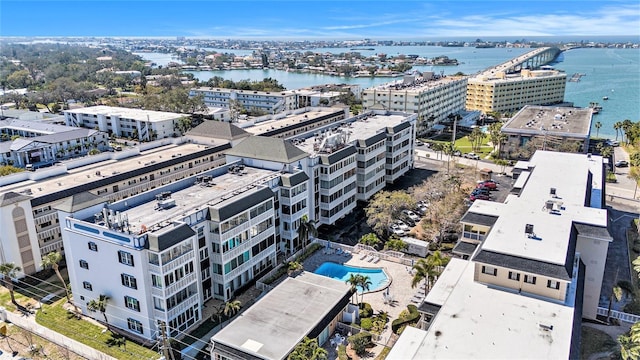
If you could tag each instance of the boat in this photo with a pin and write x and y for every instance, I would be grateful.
(605, 98)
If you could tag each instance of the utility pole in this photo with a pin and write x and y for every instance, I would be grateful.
(165, 342)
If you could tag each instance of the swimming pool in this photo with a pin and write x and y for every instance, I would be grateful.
(342, 272)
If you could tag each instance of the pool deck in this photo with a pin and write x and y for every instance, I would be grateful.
(400, 288)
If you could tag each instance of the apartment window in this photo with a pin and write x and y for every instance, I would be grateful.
(489, 270)
(87, 285)
(93, 246)
(132, 303)
(156, 280)
(125, 258)
(514, 276)
(84, 264)
(129, 281)
(529, 279)
(552, 284)
(134, 325)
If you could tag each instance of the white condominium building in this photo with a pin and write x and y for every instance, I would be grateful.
(270, 102)
(160, 255)
(503, 92)
(535, 269)
(432, 97)
(125, 122)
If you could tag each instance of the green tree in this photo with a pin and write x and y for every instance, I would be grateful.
(365, 284)
(183, 124)
(424, 271)
(503, 164)
(370, 239)
(52, 260)
(438, 260)
(9, 169)
(617, 126)
(597, 125)
(354, 281)
(395, 245)
(449, 149)
(294, 267)
(231, 308)
(308, 349)
(8, 272)
(385, 206)
(100, 305)
(630, 343)
(634, 174)
(307, 228)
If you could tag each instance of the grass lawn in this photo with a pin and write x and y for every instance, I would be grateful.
(464, 145)
(56, 318)
(595, 341)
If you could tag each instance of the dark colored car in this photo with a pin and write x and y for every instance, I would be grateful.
(474, 197)
(482, 190)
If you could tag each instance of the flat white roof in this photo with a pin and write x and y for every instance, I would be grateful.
(480, 322)
(265, 126)
(126, 113)
(568, 174)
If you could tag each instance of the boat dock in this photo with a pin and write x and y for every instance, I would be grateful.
(576, 77)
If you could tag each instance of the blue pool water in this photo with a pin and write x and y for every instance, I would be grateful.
(343, 273)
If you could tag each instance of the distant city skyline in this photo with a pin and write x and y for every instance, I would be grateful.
(331, 19)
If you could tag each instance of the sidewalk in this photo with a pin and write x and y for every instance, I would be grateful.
(29, 323)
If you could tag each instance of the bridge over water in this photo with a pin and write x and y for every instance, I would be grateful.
(533, 59)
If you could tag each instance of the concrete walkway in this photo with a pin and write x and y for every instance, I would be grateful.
(28, 323)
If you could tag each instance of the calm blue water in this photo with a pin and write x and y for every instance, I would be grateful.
(609, 72)
(343, 273)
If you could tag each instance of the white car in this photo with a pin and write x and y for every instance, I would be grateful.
(395, 229)
(402, 225)
(411, 215)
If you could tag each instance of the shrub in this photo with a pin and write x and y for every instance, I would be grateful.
(359, 342)
(411, 318)
(365, 310)
(366, 323)
(342, 352)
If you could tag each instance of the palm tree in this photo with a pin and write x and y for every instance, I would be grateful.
(52, 260)
(438, 260)
(369, 239)
(100, 305)
(354, 281)
(308, 349)
(617, 126)
(630, 344)
(448, 149)
(597, 125)
(9, 271)
(231, 308)
(365, 284)
(424, 270)
(307, 227)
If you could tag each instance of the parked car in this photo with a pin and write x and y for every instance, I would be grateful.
(457, 153)
(402, 225)
(481, 190)
(622, 163)
(472, 156)
(613, 143)
(419, 143)
(489, 184)
(395, 230)
(448, 237)
(411, 215)
(474, 197)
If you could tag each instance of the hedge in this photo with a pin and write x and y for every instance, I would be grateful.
(413, 317)
(365, 310)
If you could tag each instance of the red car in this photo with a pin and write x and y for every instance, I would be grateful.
(488, 184)
(474, 197)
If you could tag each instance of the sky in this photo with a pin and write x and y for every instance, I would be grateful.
(328, 19)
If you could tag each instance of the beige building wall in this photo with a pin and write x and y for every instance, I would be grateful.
(518, 282)
(18, 241)
(505, 93)
(593, 253)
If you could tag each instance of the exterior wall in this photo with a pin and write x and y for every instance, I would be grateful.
(400, 153)
(432, 103)
(292, 209)
(371, 170)
(271, 102)
(517, 140)
(474, 233)
(593, 253)
(123, 127)
(540, 287)
(508, 95)
(338, 200)
(18, 241)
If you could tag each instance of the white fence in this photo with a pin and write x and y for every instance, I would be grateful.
(622, 316)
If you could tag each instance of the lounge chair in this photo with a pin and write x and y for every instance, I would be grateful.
(346, 253)
(376, 259)
(369, 258)
(364, 255)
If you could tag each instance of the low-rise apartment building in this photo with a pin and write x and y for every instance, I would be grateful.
(535, 270)
(314, 305)
(269, 102)
(35, 143)
(566, 129)
(30, 198)
(125, 122)
(291, 123)
(432, 97)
